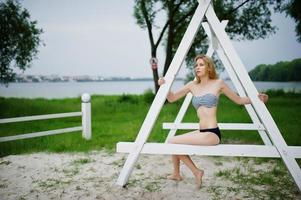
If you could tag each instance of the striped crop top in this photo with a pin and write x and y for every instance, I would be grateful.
(207, 100)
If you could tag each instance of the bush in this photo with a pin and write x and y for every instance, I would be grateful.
(128, 99)
(282, 93)
(148, 96)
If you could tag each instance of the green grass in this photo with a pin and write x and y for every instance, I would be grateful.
(272, 183)
(119, 118)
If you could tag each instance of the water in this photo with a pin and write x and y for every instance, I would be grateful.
(75, 89)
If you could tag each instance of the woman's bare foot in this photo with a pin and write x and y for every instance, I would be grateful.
(198, 179)
(175, 177)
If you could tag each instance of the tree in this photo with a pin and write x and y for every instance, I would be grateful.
(248, 20)
(280, 71)
(293, 9)
(145, 14)
(19, 39)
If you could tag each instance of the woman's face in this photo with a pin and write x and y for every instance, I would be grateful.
(200, 68)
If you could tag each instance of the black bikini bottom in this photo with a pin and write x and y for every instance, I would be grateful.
(213, 130)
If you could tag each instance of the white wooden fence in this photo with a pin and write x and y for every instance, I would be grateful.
(85, 128)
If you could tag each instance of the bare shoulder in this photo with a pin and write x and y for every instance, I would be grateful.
(191, 84)
(219, 82)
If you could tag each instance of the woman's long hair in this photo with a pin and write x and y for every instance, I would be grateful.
(210, 67)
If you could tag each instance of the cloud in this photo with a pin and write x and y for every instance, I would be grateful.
(101, 38)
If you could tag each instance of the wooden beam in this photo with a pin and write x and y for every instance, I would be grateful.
(161, 95)
(38, 134)
(223, 126)
(241, 150)
(39, 117)
(233, 76)
(252, 93)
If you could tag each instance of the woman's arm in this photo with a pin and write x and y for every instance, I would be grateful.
(172, 97)
(237, 99)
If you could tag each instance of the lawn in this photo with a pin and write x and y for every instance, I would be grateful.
(119, 118)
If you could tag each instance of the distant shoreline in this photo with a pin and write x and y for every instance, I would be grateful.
(110, 87)
(133, 80)
(91, 81)
(62, 79)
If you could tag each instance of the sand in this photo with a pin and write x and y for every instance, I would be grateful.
(93, 176)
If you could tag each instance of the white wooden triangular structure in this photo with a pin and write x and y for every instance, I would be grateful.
(275, 146)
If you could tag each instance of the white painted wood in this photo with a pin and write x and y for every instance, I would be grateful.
(280, 148)
(179, 116)
(163, 91)
(233, 77)
(39, 117)
(251, 91)
(38, 134)
(218, 150)
(222, 126)
(86, 120)
(295, 151)
(241, 92)
(215, 46)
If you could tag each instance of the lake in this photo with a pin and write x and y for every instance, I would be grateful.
(75, 89)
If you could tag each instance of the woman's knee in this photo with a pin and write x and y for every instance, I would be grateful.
(172, 140)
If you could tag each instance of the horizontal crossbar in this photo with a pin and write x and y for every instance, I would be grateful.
(38, 134)
(224, 126)
(241, 150)
(40, 117)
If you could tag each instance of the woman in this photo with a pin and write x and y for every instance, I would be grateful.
(206, 90)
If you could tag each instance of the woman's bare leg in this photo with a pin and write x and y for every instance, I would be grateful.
(194, 138)
(176, 169)
(198, 173)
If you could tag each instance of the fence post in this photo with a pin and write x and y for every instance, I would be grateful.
(86, 116)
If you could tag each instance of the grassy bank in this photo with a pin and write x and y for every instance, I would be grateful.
(119, 118)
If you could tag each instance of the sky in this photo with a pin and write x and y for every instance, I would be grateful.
(101, 38)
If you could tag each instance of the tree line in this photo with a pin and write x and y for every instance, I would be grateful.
(281, 71)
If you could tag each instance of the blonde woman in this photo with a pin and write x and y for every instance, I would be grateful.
(206, 90)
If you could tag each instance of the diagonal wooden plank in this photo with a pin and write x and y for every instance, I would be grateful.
(160, 98)
(214, 46)
(235, 81)
(179, 116)
(251, 91)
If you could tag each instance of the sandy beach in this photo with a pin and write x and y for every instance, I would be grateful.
(93, 176)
